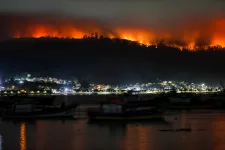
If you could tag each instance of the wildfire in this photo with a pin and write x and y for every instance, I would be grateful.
(189, 37)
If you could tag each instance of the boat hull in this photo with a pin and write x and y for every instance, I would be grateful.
(47, 116)
(106, 118)
(57, 113)
(125, 117)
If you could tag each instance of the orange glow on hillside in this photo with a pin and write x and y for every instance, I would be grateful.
(139, 35)
(219, 34)
(188, 35)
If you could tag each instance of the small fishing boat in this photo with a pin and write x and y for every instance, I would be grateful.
(177, 130)
(179, 98)
(39, 100)
(121, 111)
(33, 111)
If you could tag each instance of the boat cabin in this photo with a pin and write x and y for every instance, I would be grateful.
(26, 108)
(180, 98)
(23, 108)
(112, 108)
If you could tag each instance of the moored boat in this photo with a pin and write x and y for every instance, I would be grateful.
(220, 96)
(33, 111)
(180, 100)
(126, 116)
(121, 111)
(39, 100)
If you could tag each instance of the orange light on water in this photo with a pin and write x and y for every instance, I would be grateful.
(23, 136)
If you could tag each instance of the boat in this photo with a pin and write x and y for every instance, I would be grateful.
(131, 115)
(39, 100)
(177, 130)
(133, 100)
(34, 111)
(219, 96)
(217, 100)
(179, 98)
(117, 110)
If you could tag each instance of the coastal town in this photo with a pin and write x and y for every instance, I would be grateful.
(27, 84)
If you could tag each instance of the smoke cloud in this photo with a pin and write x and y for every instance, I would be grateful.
(183, 23)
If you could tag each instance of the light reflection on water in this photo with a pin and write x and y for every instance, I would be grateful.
(23, 136)
(137, 138)
(78, 135)
(1, 142)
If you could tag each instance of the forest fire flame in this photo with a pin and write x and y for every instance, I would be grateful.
(188, 37)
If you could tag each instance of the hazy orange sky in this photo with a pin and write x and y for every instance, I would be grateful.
(178, 22)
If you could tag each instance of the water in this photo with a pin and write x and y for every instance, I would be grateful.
(208, 134)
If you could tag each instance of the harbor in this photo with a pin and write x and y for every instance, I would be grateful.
(112, 75)
(121, 121)
(207, 132)
(79, 106)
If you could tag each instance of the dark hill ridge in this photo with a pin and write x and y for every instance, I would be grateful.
(109, 60)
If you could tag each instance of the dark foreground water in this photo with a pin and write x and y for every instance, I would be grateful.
(208, 134)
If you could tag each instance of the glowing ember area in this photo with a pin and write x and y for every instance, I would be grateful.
(188, 36)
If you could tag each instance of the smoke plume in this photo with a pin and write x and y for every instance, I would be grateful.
(189, 32)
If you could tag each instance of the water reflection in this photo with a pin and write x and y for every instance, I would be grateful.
(23, 136)
(143, 138)
(71, 135)
(138, 137)
(114, 129)
(218, 133)
(117, 130)
(104, 136)
(1, 142)
(79, 137)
